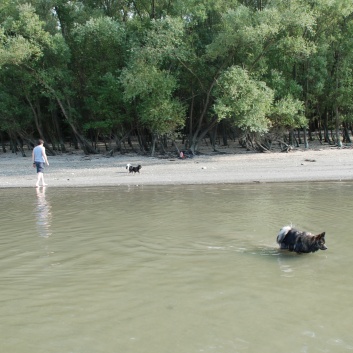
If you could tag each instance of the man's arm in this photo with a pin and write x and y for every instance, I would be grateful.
(45, 156)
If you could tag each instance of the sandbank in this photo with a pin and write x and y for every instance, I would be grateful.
(77, 170)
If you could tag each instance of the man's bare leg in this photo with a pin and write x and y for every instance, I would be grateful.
(40, 179)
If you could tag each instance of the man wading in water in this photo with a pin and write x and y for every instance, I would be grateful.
(39, 157)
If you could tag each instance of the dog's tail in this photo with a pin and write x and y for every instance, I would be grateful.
(282, 233)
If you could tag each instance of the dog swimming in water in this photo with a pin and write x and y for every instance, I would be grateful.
(301, 242)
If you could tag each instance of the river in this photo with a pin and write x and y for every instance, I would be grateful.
(175, 269)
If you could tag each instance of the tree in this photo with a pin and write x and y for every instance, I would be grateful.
(149, 83)
(100, 69)
(243, 100)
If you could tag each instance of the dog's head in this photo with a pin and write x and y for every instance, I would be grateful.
(320, 241)
(128, 166)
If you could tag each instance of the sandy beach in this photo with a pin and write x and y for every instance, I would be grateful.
(77, 170)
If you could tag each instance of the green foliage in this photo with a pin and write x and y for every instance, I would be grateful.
(117, 65)
(244, 100)
(22, 37)
(13, 50)
(148, 82)
(151, 91)
(289, 113)
(164, 41)
(10, 107)
(163, 115)
(98, 45)
(242, 32)
(283, 86)
(105, 104)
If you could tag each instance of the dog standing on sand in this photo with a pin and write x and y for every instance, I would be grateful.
(301, 242)
(132, 169)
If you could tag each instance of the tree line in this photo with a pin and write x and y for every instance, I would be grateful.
(94, 71)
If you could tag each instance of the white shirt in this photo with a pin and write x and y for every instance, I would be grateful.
(38, 154)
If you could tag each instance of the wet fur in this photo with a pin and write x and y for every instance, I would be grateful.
(301, 242)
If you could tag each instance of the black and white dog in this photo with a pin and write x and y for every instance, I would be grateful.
(301, 242)
(132, 169)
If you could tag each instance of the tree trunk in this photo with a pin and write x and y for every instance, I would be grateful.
(306, 143)
(20, 146)
(37, 121)
(299, 138)
(190, 121)
(213, 138)
(86, 147)
(292, 140)
(224, 132)
(3, 146)
(154, 139)
(58, 131)
(337, 120)
(326, 132)
(347, 138)
(176, 147)
(80, 138)
(337, 125)
(199, 134)
(142, 140)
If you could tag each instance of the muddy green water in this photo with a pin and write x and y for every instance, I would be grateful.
(180, 269)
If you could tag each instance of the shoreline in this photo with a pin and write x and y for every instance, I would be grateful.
(78, 170)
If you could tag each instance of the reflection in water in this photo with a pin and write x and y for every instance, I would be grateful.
(43, 213)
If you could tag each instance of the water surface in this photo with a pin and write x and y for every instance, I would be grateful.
(178, 269)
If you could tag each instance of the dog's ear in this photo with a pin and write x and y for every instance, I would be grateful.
(319, 236)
